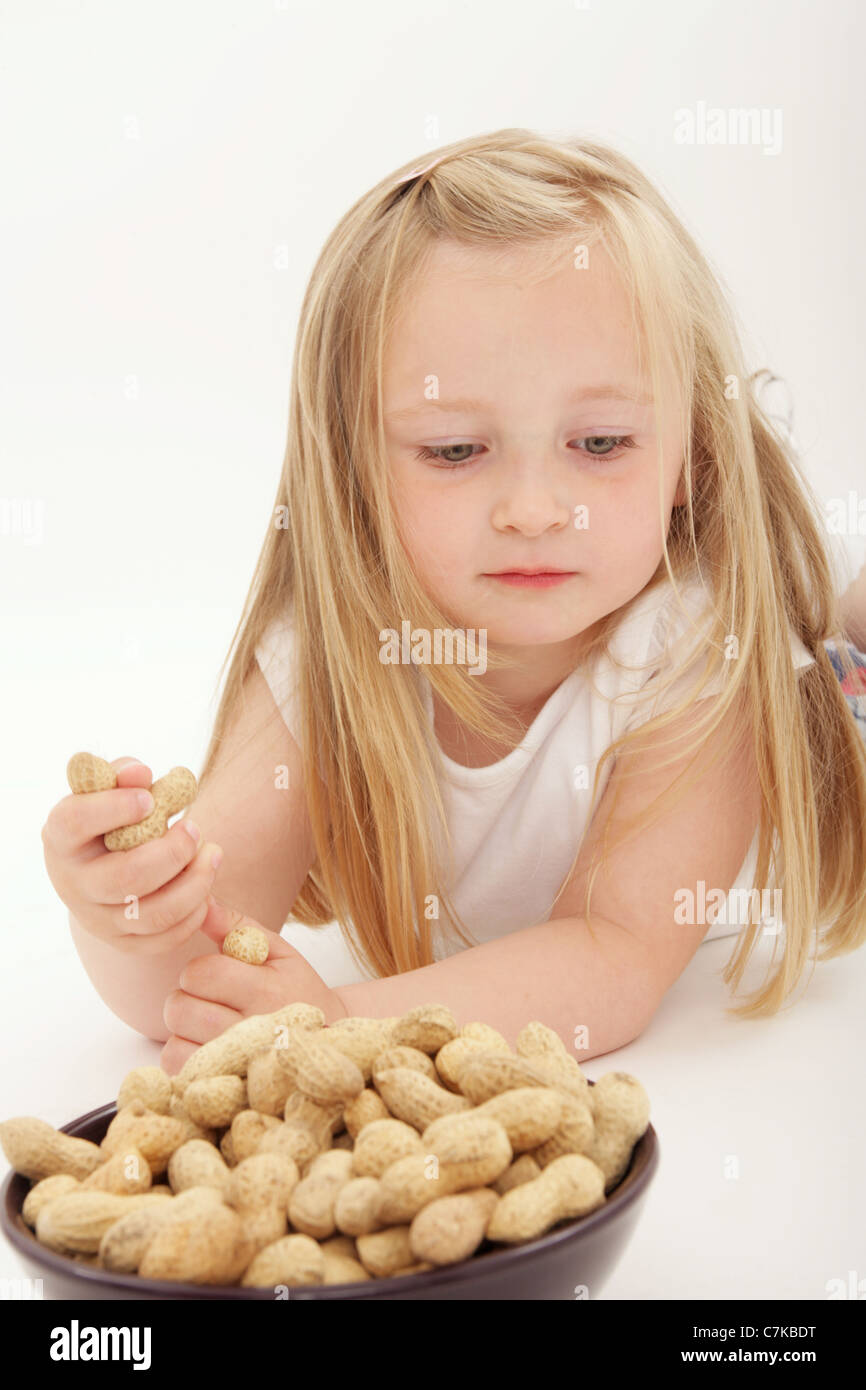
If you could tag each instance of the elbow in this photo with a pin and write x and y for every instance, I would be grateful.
(639, 1013)
(145, 1022)
(152, 1029)
(643, 1015)
(635, 1029)
(158, 1035)
(619, 1027)
(629, 1030)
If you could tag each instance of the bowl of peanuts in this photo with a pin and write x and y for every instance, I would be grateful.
(398, 1158)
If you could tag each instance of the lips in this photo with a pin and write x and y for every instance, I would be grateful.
(533, 579)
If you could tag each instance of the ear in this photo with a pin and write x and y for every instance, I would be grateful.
(680, 494)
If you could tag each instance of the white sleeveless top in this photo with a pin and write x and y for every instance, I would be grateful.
(515, 825)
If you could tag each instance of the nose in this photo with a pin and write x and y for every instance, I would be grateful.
(532, 500)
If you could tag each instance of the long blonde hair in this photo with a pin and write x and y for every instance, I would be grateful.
(332, 559)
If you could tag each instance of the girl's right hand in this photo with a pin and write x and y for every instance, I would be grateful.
(143, 901)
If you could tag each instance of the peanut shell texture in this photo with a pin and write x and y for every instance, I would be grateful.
(85, 772)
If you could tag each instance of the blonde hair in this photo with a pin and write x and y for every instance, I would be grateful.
(334, 562)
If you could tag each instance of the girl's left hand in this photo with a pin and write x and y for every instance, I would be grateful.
(217, 990)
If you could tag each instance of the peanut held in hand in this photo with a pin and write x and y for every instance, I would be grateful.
(247, 944)
(149, 899)
(85, 772)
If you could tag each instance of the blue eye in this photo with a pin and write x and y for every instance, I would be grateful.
(434, 453)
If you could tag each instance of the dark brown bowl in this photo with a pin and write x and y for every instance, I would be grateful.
(572, 1260)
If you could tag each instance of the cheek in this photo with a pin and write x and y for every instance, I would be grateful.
(431, 520)
(624, 527)
(429, 529)
(424, 530)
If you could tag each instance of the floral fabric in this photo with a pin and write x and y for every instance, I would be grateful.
(854, 685)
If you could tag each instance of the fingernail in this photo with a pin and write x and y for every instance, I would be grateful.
(145, 801)
(192, 830)
(215, 860)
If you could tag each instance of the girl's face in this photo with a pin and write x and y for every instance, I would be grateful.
(520, 383)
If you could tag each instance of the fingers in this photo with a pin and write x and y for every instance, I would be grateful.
(175, 1053)
(169, 905)
(222, 919)
(81, 817)
(221, 980)
(149, 868)
(197, 1020)
(146, 900)
(132, 773)
(156, 943)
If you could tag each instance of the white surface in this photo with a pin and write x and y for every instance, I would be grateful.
(782, 1099)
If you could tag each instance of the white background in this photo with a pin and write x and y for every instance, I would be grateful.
(160, 165)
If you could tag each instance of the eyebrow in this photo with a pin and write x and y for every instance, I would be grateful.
(468, 405)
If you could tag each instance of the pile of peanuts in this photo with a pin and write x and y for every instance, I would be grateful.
(289, 1152)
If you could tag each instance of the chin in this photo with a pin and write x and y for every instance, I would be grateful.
(530, 635)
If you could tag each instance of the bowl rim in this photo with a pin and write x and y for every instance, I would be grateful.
(642, 1167)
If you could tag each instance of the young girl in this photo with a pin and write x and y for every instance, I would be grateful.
(533, 689)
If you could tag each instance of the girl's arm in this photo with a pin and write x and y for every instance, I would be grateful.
(265, 835)
(600, 986)
(601, 983)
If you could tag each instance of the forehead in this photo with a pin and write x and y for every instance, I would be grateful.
(521, 308)
(523, 327)
(529, 261)
(520, 267)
